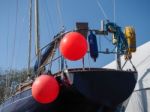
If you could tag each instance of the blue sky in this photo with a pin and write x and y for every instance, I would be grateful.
(14, 24)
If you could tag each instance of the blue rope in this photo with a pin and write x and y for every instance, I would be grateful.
(119, 35)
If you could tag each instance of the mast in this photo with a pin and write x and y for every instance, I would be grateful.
(30, 36)
(37, 38)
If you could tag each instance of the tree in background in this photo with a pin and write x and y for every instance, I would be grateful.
(9, 80)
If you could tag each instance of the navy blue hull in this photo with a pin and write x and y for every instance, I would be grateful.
(92, 89)
(68, 101)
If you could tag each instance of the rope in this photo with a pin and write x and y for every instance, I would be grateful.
(133, 65)
(124, 64)
(102, 9)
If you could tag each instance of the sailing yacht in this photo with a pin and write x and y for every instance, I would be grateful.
(84, 89)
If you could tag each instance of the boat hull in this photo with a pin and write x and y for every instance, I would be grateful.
(91, 89)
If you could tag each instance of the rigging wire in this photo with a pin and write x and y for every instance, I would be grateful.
(109, 40)
(106, 17)
(48, 13)
(114, 10)
(47, 24)
(13, 53)
(30, 36)
(59, 11)
(60, 14)
(8, 24)
(15, 34)
(102, 9)
(51, 59)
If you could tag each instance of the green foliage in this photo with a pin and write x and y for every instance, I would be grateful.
(9, 80)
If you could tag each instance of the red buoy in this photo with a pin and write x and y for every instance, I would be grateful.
(73, 46)
(45, 89)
